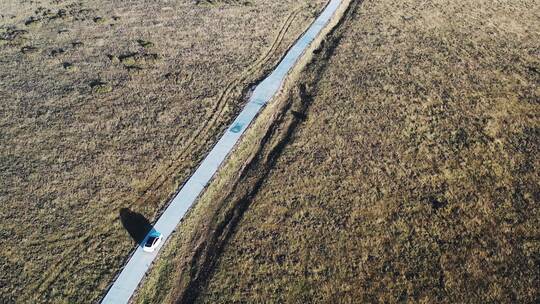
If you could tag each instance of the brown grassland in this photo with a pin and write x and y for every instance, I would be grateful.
(108, 105)
(402, 166)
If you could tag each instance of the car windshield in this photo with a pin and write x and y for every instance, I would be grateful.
(150, 241)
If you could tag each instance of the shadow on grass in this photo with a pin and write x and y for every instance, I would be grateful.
(136, 224)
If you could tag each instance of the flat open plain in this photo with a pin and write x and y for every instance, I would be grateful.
(109, 105)
(403, 166)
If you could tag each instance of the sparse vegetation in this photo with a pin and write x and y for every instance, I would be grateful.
(403, 167)
(145, 44)
(84, 137)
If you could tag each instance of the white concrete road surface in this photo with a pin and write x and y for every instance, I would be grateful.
(133, 272)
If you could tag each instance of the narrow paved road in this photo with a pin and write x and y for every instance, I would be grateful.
(133, 272)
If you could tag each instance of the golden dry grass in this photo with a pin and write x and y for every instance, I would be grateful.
(415, 175)
(407, 170)
(189, 254)
(109, 105)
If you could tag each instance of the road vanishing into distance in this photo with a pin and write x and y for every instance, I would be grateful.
(133, 272)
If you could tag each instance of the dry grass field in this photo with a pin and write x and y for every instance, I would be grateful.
(404, 167)
(108, 105)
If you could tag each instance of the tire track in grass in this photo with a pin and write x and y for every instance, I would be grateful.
(237, 195)
(217, 111)
(125, 284)
(43, 285)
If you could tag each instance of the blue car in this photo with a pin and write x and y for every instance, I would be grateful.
(153, 239)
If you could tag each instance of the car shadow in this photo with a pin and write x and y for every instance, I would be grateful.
(136, 225)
